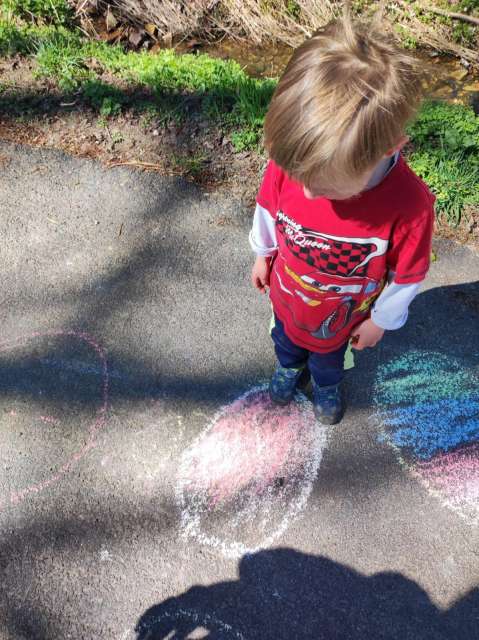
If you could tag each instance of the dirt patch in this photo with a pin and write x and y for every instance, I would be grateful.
(467, 232)
(34, 112)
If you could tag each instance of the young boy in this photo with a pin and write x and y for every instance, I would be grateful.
(342, 228)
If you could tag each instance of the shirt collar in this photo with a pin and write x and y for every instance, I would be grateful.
(382, 170)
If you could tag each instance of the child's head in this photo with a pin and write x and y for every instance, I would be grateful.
(340, 107)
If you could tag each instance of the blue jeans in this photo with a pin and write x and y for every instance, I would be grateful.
(326, 368)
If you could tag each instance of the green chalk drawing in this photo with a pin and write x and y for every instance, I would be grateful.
(401, 381)
(349, 358)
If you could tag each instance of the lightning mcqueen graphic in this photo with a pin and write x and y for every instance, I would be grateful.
(336, 287)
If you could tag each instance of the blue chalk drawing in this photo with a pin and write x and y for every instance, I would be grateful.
(428, 406)
(429, 428)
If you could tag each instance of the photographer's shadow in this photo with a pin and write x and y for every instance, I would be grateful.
(283, 594)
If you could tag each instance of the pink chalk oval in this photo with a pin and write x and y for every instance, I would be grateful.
(250, 473)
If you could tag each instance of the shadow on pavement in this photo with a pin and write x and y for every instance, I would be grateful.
(443, 320)
(284, 594)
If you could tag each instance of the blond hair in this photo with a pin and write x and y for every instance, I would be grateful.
(343, 101)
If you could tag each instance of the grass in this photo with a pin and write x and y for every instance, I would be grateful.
(446, 156)
(22, 39)
(455, 184)
(445, 137)
(191, 165)
(225, 92)
(58, 12)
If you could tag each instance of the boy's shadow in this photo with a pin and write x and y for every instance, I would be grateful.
(443, 323)
(284, 595)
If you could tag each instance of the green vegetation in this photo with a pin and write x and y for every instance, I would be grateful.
(225, 92)
(191, 165)
(293, 9)
(57, 12)
(464, 34)
(24, 39)
(108, 100)
(446, 155)
(463, 6)
(454, 183)
(450, 127)
(408, 41)
(164, 87)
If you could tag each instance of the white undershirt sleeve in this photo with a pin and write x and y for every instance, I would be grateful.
(390, 310)
(262, 236)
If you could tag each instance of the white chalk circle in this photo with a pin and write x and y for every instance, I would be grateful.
(250, 473)
(172, 623)
(53, 402)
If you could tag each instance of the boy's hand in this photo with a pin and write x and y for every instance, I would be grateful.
(260, 273)
(366, 334)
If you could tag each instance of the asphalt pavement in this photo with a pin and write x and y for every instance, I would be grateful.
(148, 488)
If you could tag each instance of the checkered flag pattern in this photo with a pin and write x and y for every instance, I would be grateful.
(340, 260)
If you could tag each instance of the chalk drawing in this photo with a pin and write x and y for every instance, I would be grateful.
(78, 366)
(50, 420)
(198, 625)
(428, 406)
(57, 469)
(249, 473)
